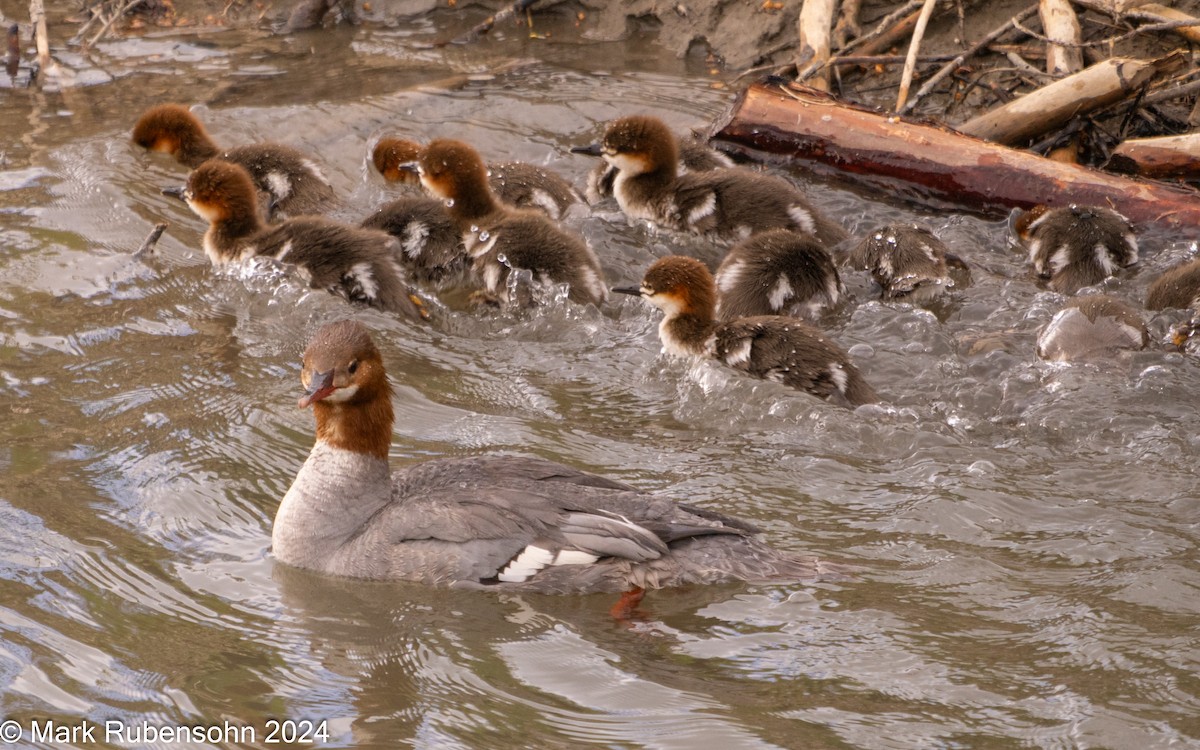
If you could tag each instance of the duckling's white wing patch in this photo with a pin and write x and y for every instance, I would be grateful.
(283, 251)
(740, 354)
(802, 218)
(415, 236)
(839, 377)
(279, 185)
(545, 201)
(730, 275)
(491, 276)
(780, 293)
(1104, 259)
(703, 210)
(314, 170)
(361, 275)
(1059, 260)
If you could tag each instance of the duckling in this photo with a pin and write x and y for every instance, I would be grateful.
(1092, 327)
(431, 248)
(500, 522)
(291, 182)
(499, 238)
(694, 156)
(1177, 287)
(1076, 246)
(777, 272)
(514, 183)
(776, 348)
(907, 261)
(728, 203)
(354, 263)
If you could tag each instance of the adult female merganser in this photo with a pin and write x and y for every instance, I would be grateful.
(500, 238)
(907, 261)
(777, 272)
(431, 248)
(772, 347)
(694, 156)
(358, 264)
(1076, 246)
(515, 183)
(505, 522)
(731, 202)
(1092, 327)
(292, 183)
(1177, 287)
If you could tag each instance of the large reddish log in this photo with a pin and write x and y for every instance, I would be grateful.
(1167, 156)
(935, 163)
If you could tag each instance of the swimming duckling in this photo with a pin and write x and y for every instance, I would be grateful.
(694, 156)
(1093, 327)
(1177, 287)
(292, 183)
(907, 261)
(730, 203)
(1076, 246)
(514, 183)
(499, 238)
(777, 272)
(772, 347)
(354, 263)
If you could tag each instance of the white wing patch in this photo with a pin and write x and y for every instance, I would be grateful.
(546, 202)
(740, 354)
(491, 276)
(1059, 259)
(279, 185)
(415, 236)
(361, 273)
(780, 293)
(704, 209)
(533, 559)
(838, 376)
(283, 251)
(802, 218)
(730, 275)
(1104, 259)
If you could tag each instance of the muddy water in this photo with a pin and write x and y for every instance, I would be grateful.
(1024, 534)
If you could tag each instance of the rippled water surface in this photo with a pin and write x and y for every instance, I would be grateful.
(1022, 534)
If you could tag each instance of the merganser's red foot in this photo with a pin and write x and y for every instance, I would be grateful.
(627, 606)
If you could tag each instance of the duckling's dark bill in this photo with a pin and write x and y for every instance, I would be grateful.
(635, 291)
(176, 192)
(594, 149)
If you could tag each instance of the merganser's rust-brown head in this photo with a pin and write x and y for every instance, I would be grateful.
(346, 385)
(390, 153)
(173, 129)
(221, 191)
(454, 172)
(639, 144)
(678, 285)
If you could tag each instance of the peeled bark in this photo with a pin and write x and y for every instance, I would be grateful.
(1052, 106)
(1169, 156)
(937, 164)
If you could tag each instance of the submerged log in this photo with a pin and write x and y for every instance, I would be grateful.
(937, 164)
(1051, 107)
(1168, 156)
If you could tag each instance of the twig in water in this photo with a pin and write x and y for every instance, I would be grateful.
(517, 8)
(147, 247)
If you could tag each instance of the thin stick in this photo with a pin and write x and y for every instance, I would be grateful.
(1165, 26)
(958, 61)
(913, 48)
(885, 26)
(37, 15)
(111, 20)
(813, 28)
(147, 247)
(518, 7)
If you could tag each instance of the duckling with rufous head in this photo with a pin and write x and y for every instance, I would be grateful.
(731, 203)
(772, 347)
(358, 264)
(499, 238)
(291, 183)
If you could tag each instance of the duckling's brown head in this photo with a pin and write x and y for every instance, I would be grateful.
(454, 172)
(677, 285)
(219, 190)
(173, 129)
(639, 144)
(390, 153)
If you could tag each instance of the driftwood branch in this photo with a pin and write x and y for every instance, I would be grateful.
(938, 164)
(1063, 54)
(957, 62)
(813, 27)
(914, 47)
(37, 15)
(847, 27)
(897, 23)
(1053, 106)
(1168, 156)
(1162, 14)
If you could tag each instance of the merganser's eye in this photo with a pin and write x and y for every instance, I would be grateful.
(353, 367)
